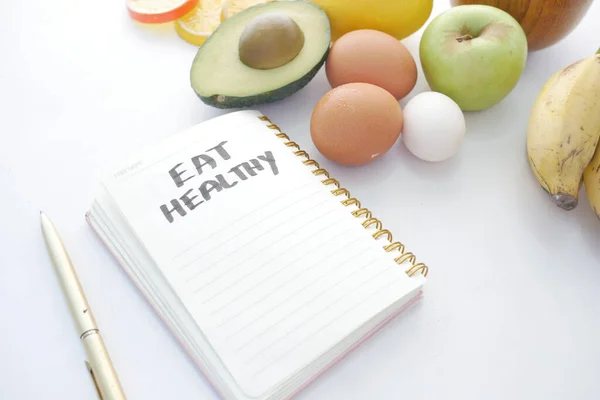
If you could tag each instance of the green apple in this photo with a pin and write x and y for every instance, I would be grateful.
(474, 54)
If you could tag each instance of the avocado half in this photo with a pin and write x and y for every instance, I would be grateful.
(222, 80)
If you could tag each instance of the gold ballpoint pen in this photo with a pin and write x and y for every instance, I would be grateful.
(98, 364)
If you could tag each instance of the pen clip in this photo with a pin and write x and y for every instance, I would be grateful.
(91, 371)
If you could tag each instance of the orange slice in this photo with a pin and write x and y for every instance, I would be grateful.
(196, 26)
(231, 7)
(159, 11)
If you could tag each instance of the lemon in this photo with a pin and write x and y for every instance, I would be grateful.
(230, 7)
(397, 18)
(197, 25)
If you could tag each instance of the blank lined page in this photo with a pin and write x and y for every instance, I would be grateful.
(272, 267)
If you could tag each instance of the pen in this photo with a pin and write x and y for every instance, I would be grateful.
(98, 363)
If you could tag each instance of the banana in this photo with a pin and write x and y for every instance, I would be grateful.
(591, 180)
(564, 129)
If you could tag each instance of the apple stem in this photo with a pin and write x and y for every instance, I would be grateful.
(463, 38)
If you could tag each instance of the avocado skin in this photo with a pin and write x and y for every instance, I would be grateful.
(228, 102)
(266, 97)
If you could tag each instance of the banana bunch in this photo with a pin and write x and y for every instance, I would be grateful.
(563, 134)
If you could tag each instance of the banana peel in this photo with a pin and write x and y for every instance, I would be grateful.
(564, 130)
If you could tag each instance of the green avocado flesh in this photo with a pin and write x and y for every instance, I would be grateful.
(222, 80)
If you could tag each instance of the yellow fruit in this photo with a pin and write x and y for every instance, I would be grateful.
(564, 130)
(230, 7)
(591, 180)
(197, 25)
(394, 17)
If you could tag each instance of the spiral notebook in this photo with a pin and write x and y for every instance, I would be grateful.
(263, 267)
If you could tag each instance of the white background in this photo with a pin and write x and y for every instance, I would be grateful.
(512, 306)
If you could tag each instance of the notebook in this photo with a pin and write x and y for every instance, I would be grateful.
(262, 266)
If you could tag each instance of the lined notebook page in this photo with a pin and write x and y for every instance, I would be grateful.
(271, 266)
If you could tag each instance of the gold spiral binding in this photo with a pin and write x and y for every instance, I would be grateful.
(360, 212)
(371, 221)
(350, 202)
(382, 232)
(331, 181)
(394, 246)
(321, 171)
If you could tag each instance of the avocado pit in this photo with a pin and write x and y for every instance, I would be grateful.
(270, 40)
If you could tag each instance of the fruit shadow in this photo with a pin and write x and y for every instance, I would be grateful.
(431, 171)
(397, 163)
(484, 125)
(548, 224)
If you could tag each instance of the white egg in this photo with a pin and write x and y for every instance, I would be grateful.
(434, 126)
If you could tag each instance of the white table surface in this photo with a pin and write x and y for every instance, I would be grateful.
(512, 306)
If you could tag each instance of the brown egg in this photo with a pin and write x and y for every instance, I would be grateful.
(374, 57)
(356, 123)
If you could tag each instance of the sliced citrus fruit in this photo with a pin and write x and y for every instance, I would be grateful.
(197, 25)
(230, 7)
(159, 11)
